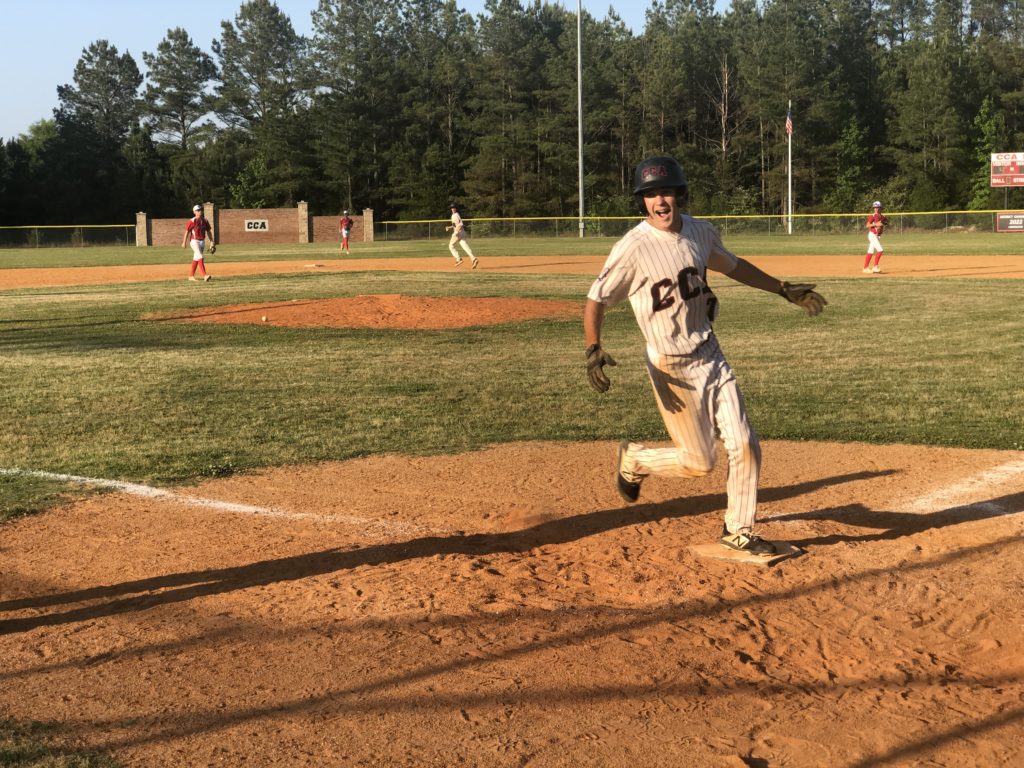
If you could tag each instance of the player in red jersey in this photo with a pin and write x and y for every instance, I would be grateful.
(195, 234)
(345, 228)
(877, 222)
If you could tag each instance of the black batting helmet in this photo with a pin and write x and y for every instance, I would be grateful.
(659, 172)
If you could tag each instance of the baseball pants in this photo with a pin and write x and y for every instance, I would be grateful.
(874, 243)
(699, 400)
(460, 238)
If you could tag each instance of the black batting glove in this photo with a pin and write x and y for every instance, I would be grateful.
(597, 358)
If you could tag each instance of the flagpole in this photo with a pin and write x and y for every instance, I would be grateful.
(579, 102)
(789, 175)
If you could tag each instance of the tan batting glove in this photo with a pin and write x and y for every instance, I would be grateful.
(804, 296)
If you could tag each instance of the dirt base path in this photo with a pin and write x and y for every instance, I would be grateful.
(782, 266)
(503, 608)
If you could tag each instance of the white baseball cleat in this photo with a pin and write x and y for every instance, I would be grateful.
(876, 269)
(191, 279)
(475, 262)
(866, 271)
(628, 489)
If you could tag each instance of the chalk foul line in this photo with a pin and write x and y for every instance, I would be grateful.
(160, 494)
(958, 494)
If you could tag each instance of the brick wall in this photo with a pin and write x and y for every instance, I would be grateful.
(238, 226)
(325, 229)
(167, 231)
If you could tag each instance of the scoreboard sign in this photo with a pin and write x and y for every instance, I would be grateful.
(1007, 169)
(256, 225)
(1010, 221)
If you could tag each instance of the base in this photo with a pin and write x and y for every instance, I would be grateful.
(784, 551)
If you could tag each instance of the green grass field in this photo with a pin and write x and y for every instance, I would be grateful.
(26, 745)
(840, 246)
(90, 389)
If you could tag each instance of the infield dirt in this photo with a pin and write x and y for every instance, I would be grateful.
(503, 608)
(782, 266)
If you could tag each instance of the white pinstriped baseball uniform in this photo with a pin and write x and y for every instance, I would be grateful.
(664, 277)
(459, 236)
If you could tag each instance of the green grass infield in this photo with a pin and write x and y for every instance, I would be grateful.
(28, 745)
(91, 389)
(965, 244)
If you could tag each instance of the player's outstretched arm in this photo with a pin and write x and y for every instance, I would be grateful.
(748, 274)
(801, 294)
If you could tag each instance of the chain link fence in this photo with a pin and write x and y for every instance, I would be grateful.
(543, 226)
(769, 226)
(546, 226)
(77, 236)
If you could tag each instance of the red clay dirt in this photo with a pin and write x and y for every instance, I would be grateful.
(381, 311)
(504, 608)
(783, 266)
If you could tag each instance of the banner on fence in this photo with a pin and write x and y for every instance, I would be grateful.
(1010, 221)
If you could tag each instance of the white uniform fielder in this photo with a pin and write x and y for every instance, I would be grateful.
(664, 276)
(459, 237)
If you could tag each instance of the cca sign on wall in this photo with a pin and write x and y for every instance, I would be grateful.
(256, 225)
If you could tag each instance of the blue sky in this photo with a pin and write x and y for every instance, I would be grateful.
(44, 39)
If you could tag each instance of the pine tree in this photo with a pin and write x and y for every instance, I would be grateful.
(175, 98)
(104, 96)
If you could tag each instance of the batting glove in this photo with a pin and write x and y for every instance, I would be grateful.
(597, 358)
(804, 296)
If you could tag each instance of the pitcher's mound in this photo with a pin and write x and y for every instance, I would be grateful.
(384, 311)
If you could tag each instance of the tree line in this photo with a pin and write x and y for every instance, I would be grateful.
(407, 105)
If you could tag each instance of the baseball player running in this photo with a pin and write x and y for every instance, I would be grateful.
(458, 230)
(877, 222)
(345, 228)
(195, 234)
(661, 267)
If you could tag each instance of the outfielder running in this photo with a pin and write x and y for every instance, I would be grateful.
(195, 234)
(661, 267)
(877, 222)
(458, 230)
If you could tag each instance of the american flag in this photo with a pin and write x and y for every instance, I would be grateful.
(789, 125)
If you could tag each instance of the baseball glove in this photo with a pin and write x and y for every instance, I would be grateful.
(213, 249)
(597, 358)
(804, 296)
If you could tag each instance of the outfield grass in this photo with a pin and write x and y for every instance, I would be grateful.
(26, 745)
(923, 244)
(90, 389)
